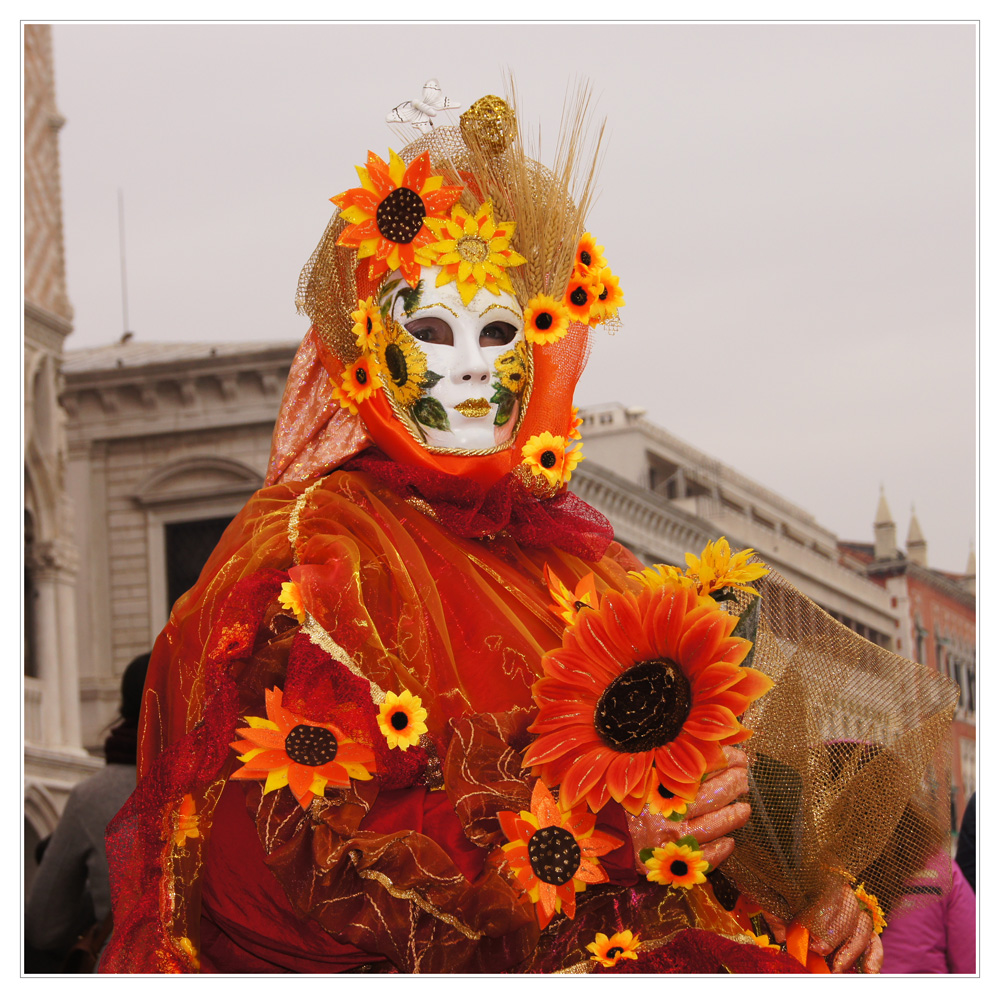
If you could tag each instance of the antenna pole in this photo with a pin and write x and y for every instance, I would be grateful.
(121, 250)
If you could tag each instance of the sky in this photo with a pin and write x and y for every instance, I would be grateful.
(791, 209)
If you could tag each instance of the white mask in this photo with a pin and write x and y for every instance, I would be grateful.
(459, 372)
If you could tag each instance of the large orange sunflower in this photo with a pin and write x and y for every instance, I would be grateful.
(553, 852)
(388, 213)
(284, 749)
(645, 685)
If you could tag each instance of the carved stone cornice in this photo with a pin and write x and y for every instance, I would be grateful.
(53, 558)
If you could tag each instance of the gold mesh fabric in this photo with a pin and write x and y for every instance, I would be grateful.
(849, 765)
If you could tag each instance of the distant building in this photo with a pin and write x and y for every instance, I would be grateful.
(166, 444)
(666, 497)
(937, 625)
(54, 759)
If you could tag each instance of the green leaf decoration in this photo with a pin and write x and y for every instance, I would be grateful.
(431, 378)
(498, 395)
(431, 413)
(505, 409)
(411, 297)
(747, 628)
(674, 816)
(690, 841)
(645, 855)
(385, 298)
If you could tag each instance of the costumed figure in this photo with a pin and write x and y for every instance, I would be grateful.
(422, 713)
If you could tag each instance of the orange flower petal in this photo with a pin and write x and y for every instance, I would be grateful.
(627, 772)
(556, 744)
(711, 722)
(680, 760)
(584, 774)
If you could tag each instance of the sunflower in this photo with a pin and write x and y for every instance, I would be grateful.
(472, 250)
(609, 300)
(571, 459)
(763, 941)
(718, 568)
(589, 256)
(576, 421)
(545, 320)
(553, 853)
(401, 719)
(582, 292)
(367, 324)
(568, 604)
(357, 384)
(511, 368)
(870, 901)
(544, 454)
(187, 822)
(677, 865)
(663, 801)
(388, 213)
(621, 946)
(284, 749)
(643, 680)
(291, 599)
(402, 364)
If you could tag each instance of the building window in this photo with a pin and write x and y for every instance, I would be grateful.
(188, 546)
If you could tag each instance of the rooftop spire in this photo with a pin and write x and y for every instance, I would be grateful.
(885, 530)
(916, 546)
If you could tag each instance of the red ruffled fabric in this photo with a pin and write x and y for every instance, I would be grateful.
(469, 509)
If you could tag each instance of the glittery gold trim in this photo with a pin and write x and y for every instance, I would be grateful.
(423, 505)
(583, 967)
(415, 898)
(436, 304)
(293, 520)
(497, 304)
(322, 640)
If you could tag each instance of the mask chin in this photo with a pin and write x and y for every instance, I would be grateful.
(458, 375)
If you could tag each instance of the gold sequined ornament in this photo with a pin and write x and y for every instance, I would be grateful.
(489, 124)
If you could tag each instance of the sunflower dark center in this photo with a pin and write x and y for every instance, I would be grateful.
(665, 793)
(395, 361)
(548, 459)
(579, 296)
(585, 258)
(646, 706)
(310, 746)
(604, 294)
(679, 868)
(400, 216)
(614, 951)
(368, 323)
(544, 320)
(579, 605)
(399, 720)
(554, 855)
(361, 375)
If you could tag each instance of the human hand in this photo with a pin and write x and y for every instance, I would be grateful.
(841, 927)
(710, 818)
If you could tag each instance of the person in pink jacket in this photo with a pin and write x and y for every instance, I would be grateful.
(937, 938)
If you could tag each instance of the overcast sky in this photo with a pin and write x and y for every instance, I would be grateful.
(791, 209)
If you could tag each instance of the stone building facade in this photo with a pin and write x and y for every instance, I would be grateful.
(54, 759)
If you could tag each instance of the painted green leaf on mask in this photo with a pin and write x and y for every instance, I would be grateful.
(431, 413)
(411, 297)
(431, 378)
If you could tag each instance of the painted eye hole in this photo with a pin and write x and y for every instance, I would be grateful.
(497, 334)
(431, 330)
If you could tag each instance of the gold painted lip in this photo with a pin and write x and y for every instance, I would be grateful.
(473, 408)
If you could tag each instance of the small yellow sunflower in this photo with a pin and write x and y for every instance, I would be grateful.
(472, 250)
(512, 368)
(544, 454)
(581, 294)
(291, 599)
(718, 568)
(609, 300)
(401, 719)
(545, 320)
(663, 801)
(870, 901)
(571, 459)
(357, 384)
(676, 865)
(402, 363)
(589, 256)
(566, 605)
(367, 324)
(764, 942)
(608, 951)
